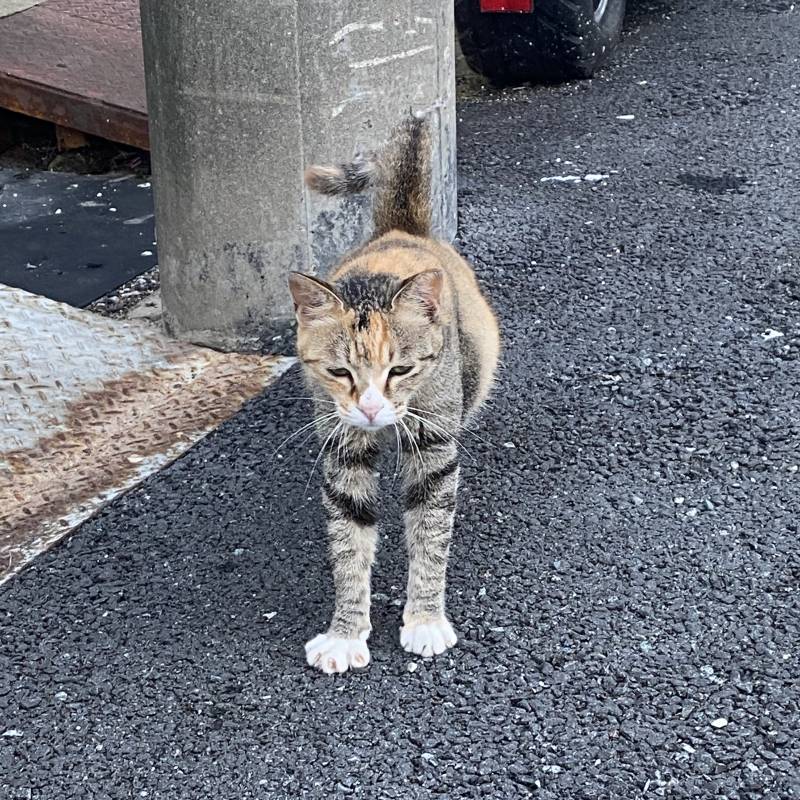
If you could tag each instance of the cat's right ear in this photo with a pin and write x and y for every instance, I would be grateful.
(314, 300)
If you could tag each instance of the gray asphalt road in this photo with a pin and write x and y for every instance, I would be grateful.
(626, 570)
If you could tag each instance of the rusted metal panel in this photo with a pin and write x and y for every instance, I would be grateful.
(53, 105)
(78, 65)
(89, 406)
(69, 138)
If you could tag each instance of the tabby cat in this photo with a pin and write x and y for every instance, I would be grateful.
(399, 347)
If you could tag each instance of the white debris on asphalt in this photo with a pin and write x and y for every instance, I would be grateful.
(412, 666)
(771, 333)
(138, 220)
(562, 179)
(591, 177)
(719, 722)
(626, 117)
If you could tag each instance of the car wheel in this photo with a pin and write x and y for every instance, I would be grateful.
(558, 40)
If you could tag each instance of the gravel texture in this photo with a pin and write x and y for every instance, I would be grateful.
(122, 300)
(626, 571)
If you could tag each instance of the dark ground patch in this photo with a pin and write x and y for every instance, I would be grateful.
(74, 238)
(623, 576)
(712, 184)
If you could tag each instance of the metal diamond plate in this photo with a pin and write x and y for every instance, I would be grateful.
(89, 406)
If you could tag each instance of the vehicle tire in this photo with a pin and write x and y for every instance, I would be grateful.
(561, 39)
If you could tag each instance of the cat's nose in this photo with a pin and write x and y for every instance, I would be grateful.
(370, 403)
(370, 408)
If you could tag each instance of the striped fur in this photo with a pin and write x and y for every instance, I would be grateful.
(402, 298)
(352, 178)
(401, 175)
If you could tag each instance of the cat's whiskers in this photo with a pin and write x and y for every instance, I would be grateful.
(315, 421)
(415, 451)
(399, 448)
(322, 449)
(442, 431)
(451, 421)
(302, 444)
(341, 448)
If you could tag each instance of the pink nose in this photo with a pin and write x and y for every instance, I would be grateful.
(370, 408)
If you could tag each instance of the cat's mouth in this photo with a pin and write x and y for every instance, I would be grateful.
(385, 417)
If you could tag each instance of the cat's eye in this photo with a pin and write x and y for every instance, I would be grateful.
(339, 372)
(396, 371)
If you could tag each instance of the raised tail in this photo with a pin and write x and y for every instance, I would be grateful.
(401, 174)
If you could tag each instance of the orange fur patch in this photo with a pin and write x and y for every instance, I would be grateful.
(372, 344)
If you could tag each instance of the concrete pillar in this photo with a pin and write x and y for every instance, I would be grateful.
(242, 96)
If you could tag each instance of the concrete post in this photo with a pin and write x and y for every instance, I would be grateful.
(242, 96)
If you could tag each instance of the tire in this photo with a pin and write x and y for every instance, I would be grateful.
(561, 39)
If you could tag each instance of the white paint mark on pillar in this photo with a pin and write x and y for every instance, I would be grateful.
(355, 98)
(375, 62)
(342, 33)
(423, 20)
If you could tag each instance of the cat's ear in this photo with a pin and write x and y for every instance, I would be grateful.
(314, 299)
(424, 291)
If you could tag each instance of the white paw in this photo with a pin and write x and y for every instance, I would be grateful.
(332, 654)
(428, 638)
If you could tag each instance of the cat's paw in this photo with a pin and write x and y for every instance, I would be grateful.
(333, 654)
(429, 638)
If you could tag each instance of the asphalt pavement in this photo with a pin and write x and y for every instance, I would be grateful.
(626, 569)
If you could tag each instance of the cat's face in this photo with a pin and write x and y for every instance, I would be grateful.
(370, 343)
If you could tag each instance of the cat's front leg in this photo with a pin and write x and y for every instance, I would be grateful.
(348, 494)
(431, 480)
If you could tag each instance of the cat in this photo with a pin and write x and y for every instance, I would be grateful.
(399, 340)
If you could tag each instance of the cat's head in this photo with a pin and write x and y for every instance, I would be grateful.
(370, 341)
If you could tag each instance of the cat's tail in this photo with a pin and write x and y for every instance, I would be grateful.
(401, 174)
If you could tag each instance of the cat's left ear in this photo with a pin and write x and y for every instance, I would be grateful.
(423, 290)
(313, 299)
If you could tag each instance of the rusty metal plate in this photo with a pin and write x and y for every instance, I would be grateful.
(78, 64)
(90, 406)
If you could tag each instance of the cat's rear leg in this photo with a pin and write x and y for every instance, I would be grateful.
(348, 495)
(431, 481)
